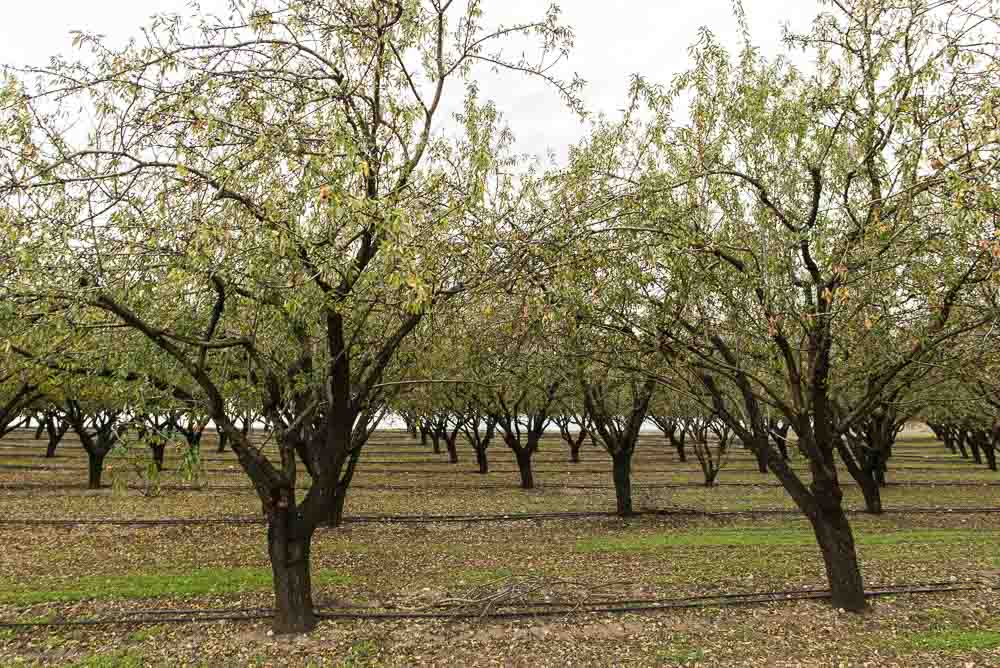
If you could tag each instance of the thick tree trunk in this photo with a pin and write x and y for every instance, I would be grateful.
(524, 466)
(95, 467)
(622, 471)
(482, 461)
(293, 605)
(158, 449)
(452, 450)
(836, 543)
(574, 453)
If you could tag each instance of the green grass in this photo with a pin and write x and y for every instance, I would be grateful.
(200, 582)
(362, 653)
(774, 537)
(679, 654)
(117, 660)
(475, 576)
(951, 641)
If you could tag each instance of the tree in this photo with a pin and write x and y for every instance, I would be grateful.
(262, 198)
(795, 219)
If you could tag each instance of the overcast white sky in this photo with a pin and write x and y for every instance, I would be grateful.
(613, 41)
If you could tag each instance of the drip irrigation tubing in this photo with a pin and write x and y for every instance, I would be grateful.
(22, 486)
(473, 518)
(519, 611)
(457, 470)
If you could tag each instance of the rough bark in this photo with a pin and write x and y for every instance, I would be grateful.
(289, 547)
(836, 543)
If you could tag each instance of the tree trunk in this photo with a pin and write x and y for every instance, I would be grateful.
(622, 471)
(836, 542)
(293, 605)
(977, 456)
(223, 442)
(574, 453)
(873, 495)
(524, 466)
(158, 449)
(761, 455)
(95, 467)
(482, 461)
(452, 450)
(960, 442)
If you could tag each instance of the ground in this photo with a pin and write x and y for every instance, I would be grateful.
(81, 570)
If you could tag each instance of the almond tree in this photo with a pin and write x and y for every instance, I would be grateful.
(263, 198)
(790, 214)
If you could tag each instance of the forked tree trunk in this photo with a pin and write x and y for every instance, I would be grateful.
(56, 433)
(289, 551)
(95, 467)
(574, 453)
(482, 461)
(836, 543)
(621, 463)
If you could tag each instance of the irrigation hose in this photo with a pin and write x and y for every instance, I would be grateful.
(540, 609)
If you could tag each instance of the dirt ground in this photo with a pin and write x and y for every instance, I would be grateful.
(84, 571)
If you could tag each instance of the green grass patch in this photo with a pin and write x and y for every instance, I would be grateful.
(200, 582)
(362, 653)
(951, 641)
(679, 654)
(117, 660)
(756, 537)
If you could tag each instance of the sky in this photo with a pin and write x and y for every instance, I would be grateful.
(648, 37)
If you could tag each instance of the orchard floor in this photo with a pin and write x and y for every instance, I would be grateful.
(86, 570)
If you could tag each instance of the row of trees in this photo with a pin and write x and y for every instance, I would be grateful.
(263, 214)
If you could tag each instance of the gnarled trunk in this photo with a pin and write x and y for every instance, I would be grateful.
(482, 461)
(836, 543)
(289, 547)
